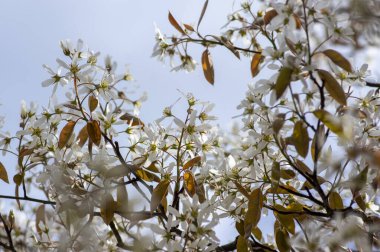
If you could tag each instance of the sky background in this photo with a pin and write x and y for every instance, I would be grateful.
(31, 31)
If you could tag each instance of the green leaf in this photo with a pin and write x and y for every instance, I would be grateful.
(66, 133)
(3, 173)
(338, 59)
(300, 138)
(158, 194)
(283, 81)
(334, 124)
(335, 201)
(253, 215)
(207, 66)
(332, 86)
(242, 245)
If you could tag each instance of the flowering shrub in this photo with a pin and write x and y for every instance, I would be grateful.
(305, 160)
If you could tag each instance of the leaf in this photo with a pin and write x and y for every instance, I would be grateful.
(175, 24)
(40, 217)
(283, 81)
(319, 140)
(287, 174)
(188, 27)
(239, 225)
(3, 173)
(207, 66)
(282, 242)
(158, 193)
(330, 121)
(253, 215)
(66, 133)
(300, 138)
(241, 189)
(338, 59)
(92, 103)
(122, 196)
(255, 62)
(335, 201)
(200, 190)
(189, 181)
(241, 244)
(202, 13)
(275, 175)
(131, 118)
(332, 86)
(189, 164)
(93, 130)
(82, 136)
(287, 221)
(257, 233)
(291, 45)
(360, 201)
(107, 208)
(303, 167)
(147, 176)
(269, 15)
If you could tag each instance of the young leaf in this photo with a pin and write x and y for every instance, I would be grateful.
(92, 103)
(275, 175)
(207, 66)
(300, 138)
(200, 191)
(189, 181)
(269, 15)
(188, 27)
(107, 208)
(66, 133)
(287, 221)
(40, 217)
(241, 244)
(175, 24)
(93, 130)
(131, 118)
(122, 196)
(282, 242)
(241, 189)
(335, 201)
(194, 161)
(202, 13)
(3, 173)
(158, 193)
(255, 64)
(338, 59)
(253, 215)
(82, 136)
(332, 86)
(319, 140)
(330, 121)
(283, 81)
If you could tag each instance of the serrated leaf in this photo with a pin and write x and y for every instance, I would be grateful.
(253, 215)
(82, 136)
(3, 173)
(332, 86)
(189, 182)
(283, 81)
(207, 66)
(255, 63)
(202, 13)
(40, 217)
(334, 124)
(175, 24)
(282, 240)
(158, 193)
(300, 138)
(338, 59)
(241, 244)
(107, 208)
(189, 164)
(65, 134)
(93, 130)
(92, 103)
(335, 201)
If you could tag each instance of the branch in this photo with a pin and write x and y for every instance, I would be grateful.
(46, 202)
